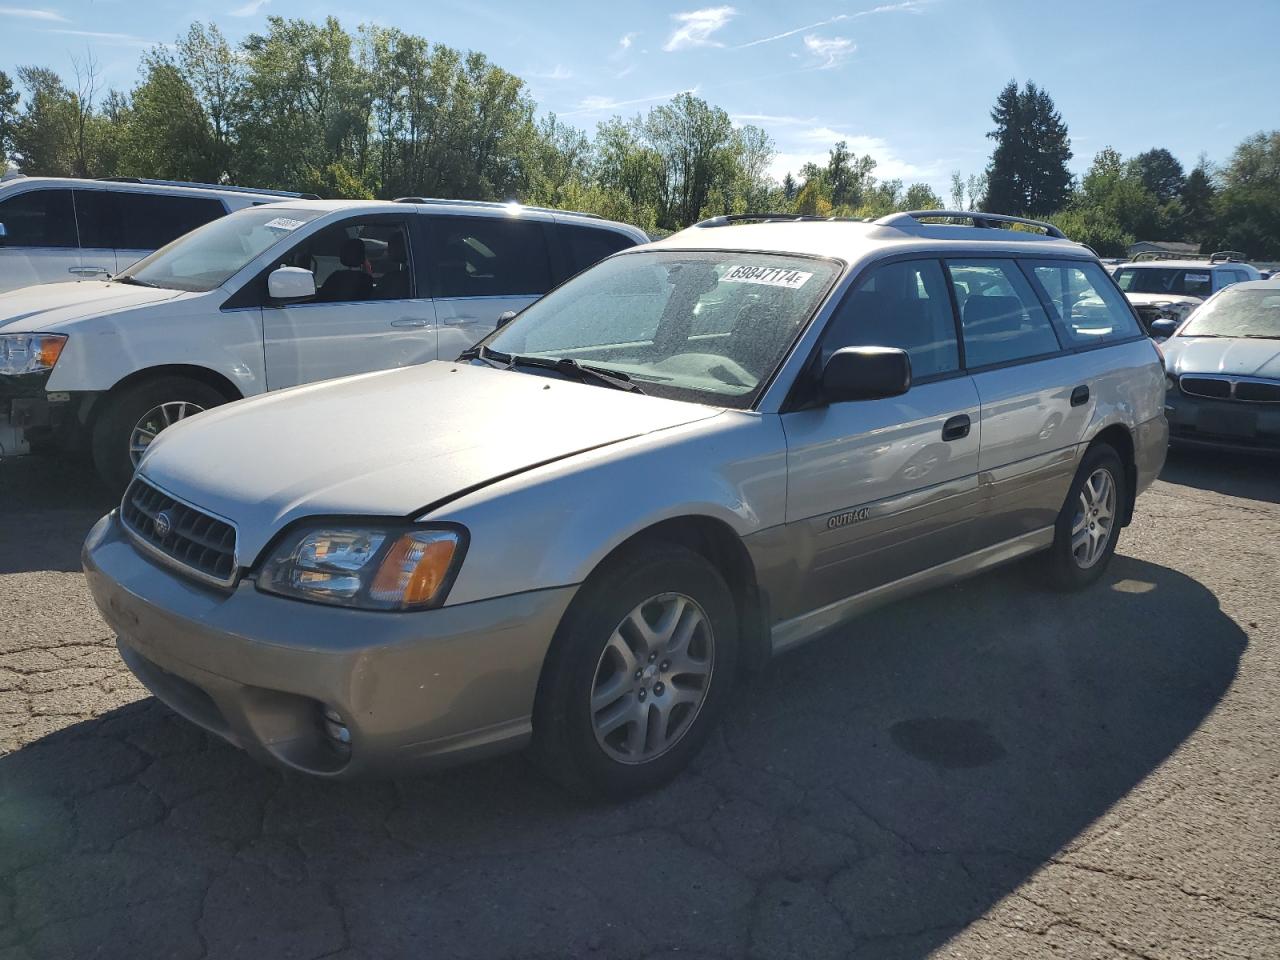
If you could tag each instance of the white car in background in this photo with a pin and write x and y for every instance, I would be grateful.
(1162, 288)
(57, 229)
(270, 297)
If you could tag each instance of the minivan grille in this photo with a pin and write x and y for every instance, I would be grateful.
(194, 541)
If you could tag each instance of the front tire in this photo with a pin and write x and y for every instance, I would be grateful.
(1088, 527)
(136, 416)
(639, 673)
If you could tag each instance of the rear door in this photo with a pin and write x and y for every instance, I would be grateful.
(367, 314)
(40, 243)
(481, 267)
(1035, 396)
(880, 489)
(147, 221)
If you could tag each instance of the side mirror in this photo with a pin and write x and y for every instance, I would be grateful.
(1163, 328)
(865, 373)
(504, 318)
(287, 284)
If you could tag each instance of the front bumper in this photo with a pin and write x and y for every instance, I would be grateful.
(414, 689)
(1223, 424)
(29, 414)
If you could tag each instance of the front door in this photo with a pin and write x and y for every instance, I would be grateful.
(40, 244)
(878, 490)
(367, 313)
(483, 267)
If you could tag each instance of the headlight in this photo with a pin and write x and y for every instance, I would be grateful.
(29, 352)
(373, 568)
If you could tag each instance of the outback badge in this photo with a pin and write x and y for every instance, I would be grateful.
(846, 518)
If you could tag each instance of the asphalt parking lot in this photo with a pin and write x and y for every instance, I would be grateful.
(987, 771)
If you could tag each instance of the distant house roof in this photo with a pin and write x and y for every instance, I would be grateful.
(1162, 246)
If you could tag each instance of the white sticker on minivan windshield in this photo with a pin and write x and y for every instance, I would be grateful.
(769, 276)
(1197, 278)
(285, 223)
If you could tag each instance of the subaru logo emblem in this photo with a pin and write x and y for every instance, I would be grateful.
(163, 525)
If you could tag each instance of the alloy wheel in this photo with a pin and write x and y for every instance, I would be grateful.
(156, 420)
(1095, 517)
(652, 678)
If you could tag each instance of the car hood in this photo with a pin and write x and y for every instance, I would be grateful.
(1245, 357)
(1150, 299)
(388, 444)
(50, 304)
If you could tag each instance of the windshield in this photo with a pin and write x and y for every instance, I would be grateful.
(707, 326)
(209, 256)
(1189, 282)
(1237, 313)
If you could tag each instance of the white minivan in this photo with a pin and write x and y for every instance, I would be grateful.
(58, 229)
(269, 297)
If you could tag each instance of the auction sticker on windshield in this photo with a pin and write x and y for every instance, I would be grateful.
(284, 223)
(768, 276)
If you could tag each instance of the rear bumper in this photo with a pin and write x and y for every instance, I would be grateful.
(414, 689)
(1223, 424)
(1151, 446)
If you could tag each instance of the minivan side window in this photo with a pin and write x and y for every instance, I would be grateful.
(39, 218)
(1000, 315)
(96, 218)
(587, 246)
(150, 220)
(903, 305)
(357, 259)
(1088, 305)
(488, 257)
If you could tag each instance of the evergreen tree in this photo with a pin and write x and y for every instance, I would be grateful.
(1028, 171)
(789, 187)
(1198, 195)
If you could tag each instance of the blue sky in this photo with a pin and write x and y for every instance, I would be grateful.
(909, 81)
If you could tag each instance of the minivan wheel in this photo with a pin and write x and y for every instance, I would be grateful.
(136, 416)
(1088, 527)
(638, 675)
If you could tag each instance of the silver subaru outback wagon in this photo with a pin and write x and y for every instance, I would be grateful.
(696, 454)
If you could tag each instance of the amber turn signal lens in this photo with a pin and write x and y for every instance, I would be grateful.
(48, 351)
(415, 568)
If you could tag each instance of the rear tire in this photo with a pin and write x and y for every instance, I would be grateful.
(158, 403)
(639, 673)
(1088, 527)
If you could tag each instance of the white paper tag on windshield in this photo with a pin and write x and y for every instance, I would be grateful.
(1197, 278)
(768, 276)
(285, 223)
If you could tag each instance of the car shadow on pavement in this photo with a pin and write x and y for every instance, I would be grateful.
(869, 795)
(47, 505)
(1251, 476)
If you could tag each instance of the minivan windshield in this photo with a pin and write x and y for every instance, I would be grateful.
(1192, 282)
(1251, 312)
(707, 326)
(209, 256)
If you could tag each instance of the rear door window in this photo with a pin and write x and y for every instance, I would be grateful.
(1000, 315)
(1088, 307)
(39, 218)
(489, 257)
(587, 246)
(150, 220)
(96, 217)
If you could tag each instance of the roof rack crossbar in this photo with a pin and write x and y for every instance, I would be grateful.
(727, 218)
(979, 219)
(496, 204)
(1228, 256)
(147, 181)
(1149, 255)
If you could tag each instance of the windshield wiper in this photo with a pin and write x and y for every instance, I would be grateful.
(568, 366)
(134, 281)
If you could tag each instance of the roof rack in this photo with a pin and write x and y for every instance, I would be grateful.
(496, 204)
(1146, 255)
(726, 219)
(1228, 256)
(990, 221)
(211, 186)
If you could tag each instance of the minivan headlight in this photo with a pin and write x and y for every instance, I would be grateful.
(22, 353)
(369, 567)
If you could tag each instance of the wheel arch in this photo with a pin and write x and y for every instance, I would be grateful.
(209, 377)
(1119, 438)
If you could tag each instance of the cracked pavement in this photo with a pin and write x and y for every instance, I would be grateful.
(989, 770)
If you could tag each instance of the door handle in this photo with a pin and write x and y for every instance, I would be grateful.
(411, 322)
(1080, 395)
(956, 427)
(88, 271)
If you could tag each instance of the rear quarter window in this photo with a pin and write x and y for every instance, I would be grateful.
(1086, 306)
(586, 246)
(150, 220)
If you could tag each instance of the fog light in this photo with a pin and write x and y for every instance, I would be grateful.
(336, 728)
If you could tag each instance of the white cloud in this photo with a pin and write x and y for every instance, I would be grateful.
(559, 72)
(249, 9)
(696, 27)
(108, 39)
(829, 51)
(602, 104)
(772, 119)
(33, 13)
(906, 6)
(627, 40)
(814, 144)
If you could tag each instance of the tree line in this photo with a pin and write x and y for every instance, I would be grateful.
(310, 106)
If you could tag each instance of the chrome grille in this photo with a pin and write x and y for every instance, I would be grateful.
(1224, 388)
(195, 542)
